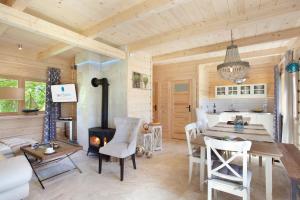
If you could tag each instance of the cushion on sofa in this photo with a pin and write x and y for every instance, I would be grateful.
(15, 143)
(14, 172)
(5, 149)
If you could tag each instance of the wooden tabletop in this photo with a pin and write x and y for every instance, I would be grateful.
(63, 149)
(255, 132)
(291, 160)
(257, 148)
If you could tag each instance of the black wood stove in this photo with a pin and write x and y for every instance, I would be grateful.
(99, 136)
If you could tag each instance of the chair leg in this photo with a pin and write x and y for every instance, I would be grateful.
(215, 192)
(133, 161)
(248, 193)
(190, 170)
(100, 163)
(122, 168)
(260, 160)
(209, 192)
(245, 195)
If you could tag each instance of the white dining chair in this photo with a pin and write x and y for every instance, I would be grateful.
(224, 176)
(123, 143)
(202, 120)
(193, 153)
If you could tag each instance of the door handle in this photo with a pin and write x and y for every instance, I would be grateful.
(155, 107)
(189, 107)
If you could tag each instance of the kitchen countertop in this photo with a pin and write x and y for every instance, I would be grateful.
(241, 112)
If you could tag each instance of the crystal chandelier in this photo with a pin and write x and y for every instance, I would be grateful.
(233, 69)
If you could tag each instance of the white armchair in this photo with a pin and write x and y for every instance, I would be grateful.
(123, 143)
(15, 174)
(202, 120)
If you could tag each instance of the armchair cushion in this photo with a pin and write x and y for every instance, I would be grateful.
(119, 150)
(124, 141)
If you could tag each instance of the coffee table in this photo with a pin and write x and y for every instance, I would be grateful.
(65, 150)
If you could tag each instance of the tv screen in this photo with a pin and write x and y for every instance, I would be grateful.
(63, 93)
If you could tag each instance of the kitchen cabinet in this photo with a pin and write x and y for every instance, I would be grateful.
(266, 119)
(242, 91)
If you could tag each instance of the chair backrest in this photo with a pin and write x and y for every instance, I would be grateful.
(202, 121)
(127, 129)
(239, 147)
(190, 132)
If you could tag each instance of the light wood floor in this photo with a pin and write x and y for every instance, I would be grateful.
(163, 177)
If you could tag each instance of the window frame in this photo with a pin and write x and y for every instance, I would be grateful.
(21, 84)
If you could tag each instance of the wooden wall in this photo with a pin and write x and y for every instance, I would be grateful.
(15, 63)
(259, 73)
(163, 75)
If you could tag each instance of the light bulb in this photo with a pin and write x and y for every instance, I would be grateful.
(20, 47)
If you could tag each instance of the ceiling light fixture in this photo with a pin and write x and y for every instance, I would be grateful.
(20, 47)
(233, 69)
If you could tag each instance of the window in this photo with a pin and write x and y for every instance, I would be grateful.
(35, 95)
(7, 106)
(181, 87)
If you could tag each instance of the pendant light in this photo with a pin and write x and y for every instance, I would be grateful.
(233, 68)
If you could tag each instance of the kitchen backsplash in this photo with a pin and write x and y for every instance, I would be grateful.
(238, 104)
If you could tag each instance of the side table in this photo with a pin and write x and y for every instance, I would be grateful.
(156, 130)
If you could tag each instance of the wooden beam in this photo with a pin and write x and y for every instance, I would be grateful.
(17, 4)
(133, 12)
(15, 18)
(267, 37)
(226, 23)
(294, 43)
(245, 55)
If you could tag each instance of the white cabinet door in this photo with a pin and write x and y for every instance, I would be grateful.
(233, 90)
(220, 91)
(259, 90)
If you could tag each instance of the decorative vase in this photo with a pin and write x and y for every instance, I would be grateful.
(140, 150)
(149, 154)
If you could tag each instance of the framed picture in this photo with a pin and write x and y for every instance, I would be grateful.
(141, 81)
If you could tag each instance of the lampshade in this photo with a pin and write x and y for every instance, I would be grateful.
(293, 67)
(9, 93)
(233, 68)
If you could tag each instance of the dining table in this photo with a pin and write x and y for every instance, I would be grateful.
(262, 145)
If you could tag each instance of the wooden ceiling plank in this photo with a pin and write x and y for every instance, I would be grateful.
(263, 38)
(135, 11)
(245, 55)
(15, 18)
(294, 44)
(17, 4)
(213, 25)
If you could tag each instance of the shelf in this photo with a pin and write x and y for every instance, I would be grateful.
(21, 116)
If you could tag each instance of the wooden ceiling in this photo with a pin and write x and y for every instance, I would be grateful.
(170, 30)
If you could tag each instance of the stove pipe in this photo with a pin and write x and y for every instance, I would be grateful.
(104, 116)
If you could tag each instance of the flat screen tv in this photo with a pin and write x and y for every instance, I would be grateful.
(63, 93)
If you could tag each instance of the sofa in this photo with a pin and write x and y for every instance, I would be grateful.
(15, 174)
